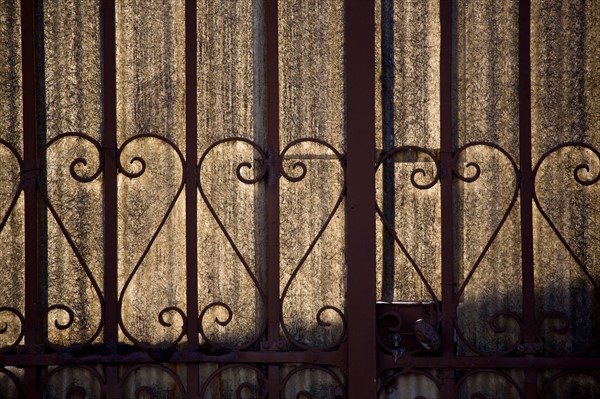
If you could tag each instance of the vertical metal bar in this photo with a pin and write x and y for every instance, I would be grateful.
(30, 144)
(272, 192)
(42, 137)
(447, 211)
(273, 381)
(529, 328)
(360, 200)
(530, 383)
(109, 143)
(191, 153)
(272, 43)
(389, 186)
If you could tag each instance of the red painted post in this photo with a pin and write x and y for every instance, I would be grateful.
(272, 191)
(109, 144)
(30, 150)
(191, 191)
(529, 327)
(360, 200)
(447, 190)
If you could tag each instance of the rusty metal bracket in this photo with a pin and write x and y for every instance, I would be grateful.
(30, 349)
(29, 175)
(272, 346)
(529, 348)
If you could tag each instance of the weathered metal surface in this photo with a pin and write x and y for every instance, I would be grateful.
(496, 308)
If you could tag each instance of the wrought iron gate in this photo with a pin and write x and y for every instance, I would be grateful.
(371, 349)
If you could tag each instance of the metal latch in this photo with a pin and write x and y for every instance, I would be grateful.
(397, 351)
(427, 336)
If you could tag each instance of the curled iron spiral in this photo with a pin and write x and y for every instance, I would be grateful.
(75, 168)
(15, 381)
(504, 376)
(258, 390)
(163, 322)
(551, 382)
(495, 320)
(75, 390)
(389, 156)
(474, 165)
(145, 389)
(259, 174)
(387, 383)
(497, 328)
(321, 323)
(394, 328)
(294, 179)
(563, 328)
(394, 315)
(222, 323)
(136, 174)
(249, 388)
(563, 318)
(79, 162)
(57, 324)
(579, 167)
(4, 329)
(304, 394)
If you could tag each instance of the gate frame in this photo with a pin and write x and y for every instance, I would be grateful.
(359, 357)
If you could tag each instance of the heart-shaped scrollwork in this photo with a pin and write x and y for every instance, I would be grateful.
(82, 169)
(16, 180)
(585, 173)
(470, 172)
(298, 171)
(419, 179)
(134, 165)
(249, 172)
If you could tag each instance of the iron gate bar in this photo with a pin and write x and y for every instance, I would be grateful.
(317, 357)
(272, 192)
(447, 9)
(191, 193)
(28, 48)
(360, 200)
(386, 362)
(526, 203)
(388, 128)
(109, 144)
(109, 141)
